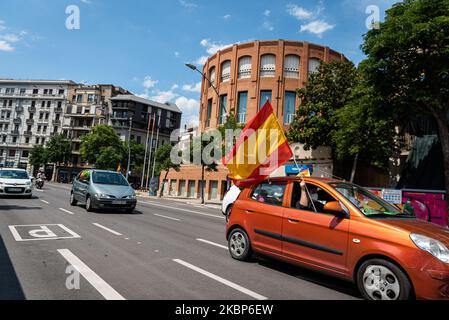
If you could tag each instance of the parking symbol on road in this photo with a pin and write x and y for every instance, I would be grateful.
(37, 232)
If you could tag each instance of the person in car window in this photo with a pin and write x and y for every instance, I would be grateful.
(304, 202)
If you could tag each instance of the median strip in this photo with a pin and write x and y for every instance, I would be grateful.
(95, 280)
(221, 280)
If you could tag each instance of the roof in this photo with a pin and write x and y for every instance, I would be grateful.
(128, 97)
(322, 180)
(54, 82)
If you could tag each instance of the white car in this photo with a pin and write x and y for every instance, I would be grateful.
(15, 182)
(229, 199)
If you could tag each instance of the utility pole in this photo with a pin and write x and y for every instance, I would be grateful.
(146, 153)
(151, 151)
(129, 147)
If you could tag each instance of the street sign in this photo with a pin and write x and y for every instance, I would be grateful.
(37, 232)
(392, 196)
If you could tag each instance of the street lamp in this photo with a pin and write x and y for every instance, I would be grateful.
(129, 147)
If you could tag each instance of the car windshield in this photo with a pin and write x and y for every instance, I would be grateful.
(368, 203)
(13, 174)
(111, 178)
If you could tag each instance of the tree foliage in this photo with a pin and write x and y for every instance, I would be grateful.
(38, 156)
(59, 149)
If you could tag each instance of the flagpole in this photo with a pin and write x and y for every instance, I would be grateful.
(151, 151)
(157, 144)
(302, 178)
(146, 153)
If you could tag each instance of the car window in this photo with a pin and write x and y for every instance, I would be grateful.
(269, 193)
(110, 178)
(316, 199)
(14, 174)
(84, 176)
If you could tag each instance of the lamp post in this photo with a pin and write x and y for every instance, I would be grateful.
(194, 68)
(129, 147)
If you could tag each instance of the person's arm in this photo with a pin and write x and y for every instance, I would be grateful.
(304, 201)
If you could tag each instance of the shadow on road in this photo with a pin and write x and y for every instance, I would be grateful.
(16, 207)
(10, 288)
(309, 275)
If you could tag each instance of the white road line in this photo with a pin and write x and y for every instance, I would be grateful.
(221, 280)
(46, 202)
(38, 190)
(66, 211)
(184, 210)
(159, 215)
(213, 243)
(98, 283)
(107, 229)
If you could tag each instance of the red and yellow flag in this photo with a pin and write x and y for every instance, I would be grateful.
(260, 150)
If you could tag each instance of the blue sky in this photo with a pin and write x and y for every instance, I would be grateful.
(142, 45)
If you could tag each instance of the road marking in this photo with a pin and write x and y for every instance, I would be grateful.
(213, 243)
(221, 280)
(38, 190)
(107, 229)
(184, 210)
(159, 215)
(42, 233)
(46, 202)
(66, 211)
(98, 283)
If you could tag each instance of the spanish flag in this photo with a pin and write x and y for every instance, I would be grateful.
(260, 150)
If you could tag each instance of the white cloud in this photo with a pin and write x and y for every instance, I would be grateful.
(186, 4)
(5, 46)
(267, 13)
(268, 25)
(317, 27)
(86, 1)
(192, 87)
(299, 12)
(163, 96)
(202, 60)
(177, 54)
(227, 17)
(149, 83)
(190, 110)
(9, 38)
(213, 47)
(2, 25)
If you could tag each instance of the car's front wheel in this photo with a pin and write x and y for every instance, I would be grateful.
(239, 245)
(73, 201)
(89, 207)
(379, 279)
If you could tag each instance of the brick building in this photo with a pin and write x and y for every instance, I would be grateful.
(246, 76)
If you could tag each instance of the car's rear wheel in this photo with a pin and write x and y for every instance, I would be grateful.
(239, 245)
(89, 207)
(379, 279)
(73, 201)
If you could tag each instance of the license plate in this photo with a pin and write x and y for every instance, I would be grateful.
(14, 190)
(119, 202)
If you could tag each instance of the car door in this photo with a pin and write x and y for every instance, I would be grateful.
(311, 236)
(264, 210)
(76, 187)
(82, 185)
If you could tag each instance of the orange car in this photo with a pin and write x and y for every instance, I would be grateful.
(342, 229)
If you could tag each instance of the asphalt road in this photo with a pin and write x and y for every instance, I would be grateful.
(166, 250)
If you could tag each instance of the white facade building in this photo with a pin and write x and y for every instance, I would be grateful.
(31, 111)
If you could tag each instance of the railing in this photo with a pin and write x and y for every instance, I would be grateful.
(31, 109)
(267, 73)
(58, 110)
(223, 119)
(17, 121)
(245, 74)
(226, 78)
(291, 73)
(289, 118)
(241, 118)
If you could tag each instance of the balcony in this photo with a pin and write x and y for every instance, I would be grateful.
(241, 118)
(19, 109)
(30, 122)
(58, 110)
(17, 121)
(27, 133)
(31, 109)
(56, 122)
(15, 132)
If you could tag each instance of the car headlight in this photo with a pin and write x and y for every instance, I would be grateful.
(132, 197)
(28, 183)
(102, 196)
(434, 247)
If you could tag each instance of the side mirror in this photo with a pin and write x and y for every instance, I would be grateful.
(334, 207)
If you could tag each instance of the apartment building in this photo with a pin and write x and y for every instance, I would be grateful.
(31, 111)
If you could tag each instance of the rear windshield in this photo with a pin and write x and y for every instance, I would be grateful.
(13, 174)
(109, 178)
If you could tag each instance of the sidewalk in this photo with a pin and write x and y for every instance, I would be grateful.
(191, 201)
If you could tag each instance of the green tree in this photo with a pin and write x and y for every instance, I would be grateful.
(137, 157)
(164, 163)
(408, 64)
(38, 156)
(59, 149)
(102, 147)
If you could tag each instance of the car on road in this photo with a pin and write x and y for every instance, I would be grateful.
(101, 189)
(343, 230)
(15, 182)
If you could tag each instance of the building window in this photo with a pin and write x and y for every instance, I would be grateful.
(245, 67)
(90, 98)
(35, 91)
(226, 71)
(265, 95)
(291, 66)
(268, 65)
(25, 154)
(242, 106)
(222, 116)
(22, 91)
(314, 65)
(61, 92)
(212, 75)
(209, 113)
(289, 107)
(79, 98)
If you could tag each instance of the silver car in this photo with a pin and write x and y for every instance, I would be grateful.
(100, 189)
